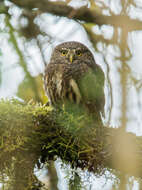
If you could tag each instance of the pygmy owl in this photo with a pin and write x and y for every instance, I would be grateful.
(73, 76)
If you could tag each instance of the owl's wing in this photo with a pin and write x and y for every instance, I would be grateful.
(50, 82)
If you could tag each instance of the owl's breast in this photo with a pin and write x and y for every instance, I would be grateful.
(61, 84)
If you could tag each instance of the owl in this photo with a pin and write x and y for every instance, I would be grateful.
(73, 76)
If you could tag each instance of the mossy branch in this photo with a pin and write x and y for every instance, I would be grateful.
(33, 134)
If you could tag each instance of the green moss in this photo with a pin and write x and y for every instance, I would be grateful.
(33, 134)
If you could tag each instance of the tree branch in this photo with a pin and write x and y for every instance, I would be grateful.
(83, 14)
(29, 133)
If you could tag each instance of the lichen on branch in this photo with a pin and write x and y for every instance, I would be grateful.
(33, 134)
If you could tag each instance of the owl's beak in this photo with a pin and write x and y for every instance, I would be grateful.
(71, 57)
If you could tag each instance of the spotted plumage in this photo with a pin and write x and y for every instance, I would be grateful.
(72, 75)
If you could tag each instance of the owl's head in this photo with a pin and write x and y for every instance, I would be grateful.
(72, 53)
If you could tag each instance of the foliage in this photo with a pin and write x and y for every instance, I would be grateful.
(74, 182)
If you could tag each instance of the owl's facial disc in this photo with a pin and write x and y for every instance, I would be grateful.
(68, 54)
(74, 54)
(71, 54)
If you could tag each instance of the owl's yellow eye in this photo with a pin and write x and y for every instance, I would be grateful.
(78, 53)
(64, 52)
